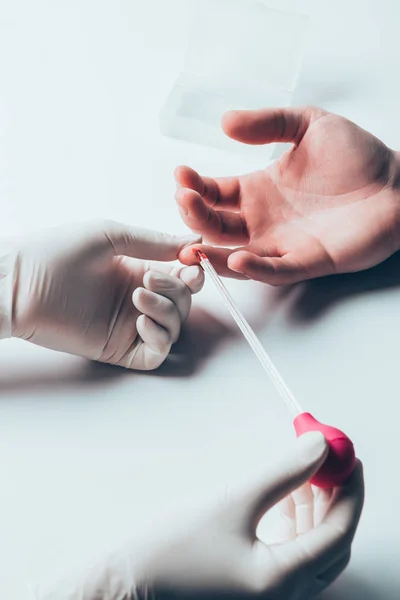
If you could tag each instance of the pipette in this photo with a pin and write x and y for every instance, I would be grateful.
(341, 459)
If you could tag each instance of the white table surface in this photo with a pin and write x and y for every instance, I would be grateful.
(91, 455)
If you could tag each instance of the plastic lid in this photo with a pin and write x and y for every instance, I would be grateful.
(246, 40)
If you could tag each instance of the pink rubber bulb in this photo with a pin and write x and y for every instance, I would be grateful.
(341, 459)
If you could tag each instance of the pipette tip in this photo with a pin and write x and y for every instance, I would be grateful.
(199, 254)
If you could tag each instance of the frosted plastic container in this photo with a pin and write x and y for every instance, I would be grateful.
(241, 55)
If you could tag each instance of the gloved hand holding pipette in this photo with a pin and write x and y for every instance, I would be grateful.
(222, 556)
(341, 458)
(328, 205)
(95, 290)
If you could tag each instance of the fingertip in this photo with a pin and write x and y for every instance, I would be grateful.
(313, 446)
(240, 125)
(229, 121)
(193, 210)
(144, 299)
(137, 295)
(179, 172)
(217, 256)
(141, 322)
(187, 196)
(150, 279)
(263, 126)
(155, 337)
(144, 322)
(188, 256)
(193, 277)
(180, 195)
(186, 177)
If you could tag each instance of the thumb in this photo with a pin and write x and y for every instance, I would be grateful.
(136, 242)
(300, 464)
(269, 124)
(306, 262)
(282, 270)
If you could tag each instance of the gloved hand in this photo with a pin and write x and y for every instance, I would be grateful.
(331, 204)
(222, 557)
(90, 290)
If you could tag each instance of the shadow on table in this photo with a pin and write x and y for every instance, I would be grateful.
(35, 380)
(351, 587)
(199, 340)
(315, 297)
(320, 89)
(204, 333)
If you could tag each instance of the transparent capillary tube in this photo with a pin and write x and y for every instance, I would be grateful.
(273, 373)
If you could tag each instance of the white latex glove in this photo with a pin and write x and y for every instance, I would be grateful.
(223, 558)
(89, 289)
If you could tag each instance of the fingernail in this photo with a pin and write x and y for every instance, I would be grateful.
(229, 264)
(312, 444)
(187, 240)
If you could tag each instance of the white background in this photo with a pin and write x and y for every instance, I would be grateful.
(90, 455)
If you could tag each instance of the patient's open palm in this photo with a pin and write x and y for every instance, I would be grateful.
(328, 205)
